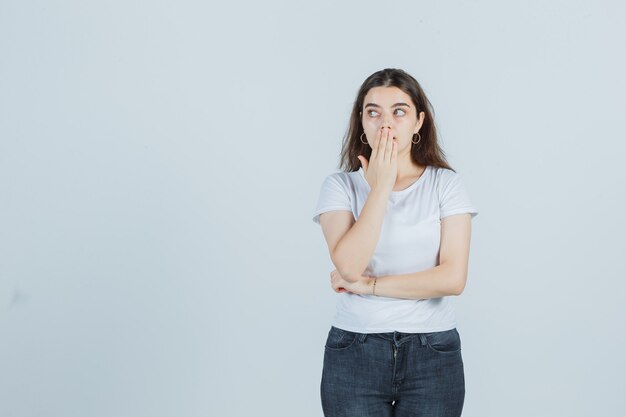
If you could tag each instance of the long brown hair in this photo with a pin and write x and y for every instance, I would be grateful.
(426, 152)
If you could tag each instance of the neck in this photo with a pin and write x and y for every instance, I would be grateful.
(407, 168)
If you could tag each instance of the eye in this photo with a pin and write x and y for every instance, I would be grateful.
(369, 112)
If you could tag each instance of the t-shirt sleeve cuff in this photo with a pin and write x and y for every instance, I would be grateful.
(470, 210)
(316, 214)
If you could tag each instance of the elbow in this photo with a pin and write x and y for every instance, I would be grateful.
(347, 271)
(458, 290)
(349, 274)
(458, 284)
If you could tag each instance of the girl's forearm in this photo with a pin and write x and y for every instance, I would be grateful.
(440, 281)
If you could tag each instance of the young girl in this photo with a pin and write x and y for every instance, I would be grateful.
(397, 221)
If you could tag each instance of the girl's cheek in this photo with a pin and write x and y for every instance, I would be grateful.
(371, 124)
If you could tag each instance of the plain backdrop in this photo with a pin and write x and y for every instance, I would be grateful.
(160, 162)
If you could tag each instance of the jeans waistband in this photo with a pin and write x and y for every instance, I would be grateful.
(396, 337)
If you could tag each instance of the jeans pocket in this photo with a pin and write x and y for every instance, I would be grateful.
(339, 339)
(445, 342)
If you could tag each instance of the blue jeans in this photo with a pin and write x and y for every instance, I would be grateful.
(392, 374)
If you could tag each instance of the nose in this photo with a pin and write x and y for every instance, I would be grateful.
(386, 124)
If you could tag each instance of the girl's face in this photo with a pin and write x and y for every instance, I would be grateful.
(390, 108)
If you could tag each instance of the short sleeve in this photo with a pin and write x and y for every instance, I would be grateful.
(453, 196)
(333, 196)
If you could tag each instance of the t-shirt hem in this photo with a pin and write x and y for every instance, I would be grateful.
(440, 328)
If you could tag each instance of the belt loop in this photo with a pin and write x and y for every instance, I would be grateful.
(423, 339)
(362, 337)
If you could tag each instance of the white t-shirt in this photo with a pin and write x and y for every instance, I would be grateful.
(409, 242)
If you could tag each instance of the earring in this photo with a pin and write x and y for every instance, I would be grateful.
(361, 138)
(418, 141)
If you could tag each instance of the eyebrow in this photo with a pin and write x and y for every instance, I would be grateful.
(377, 106)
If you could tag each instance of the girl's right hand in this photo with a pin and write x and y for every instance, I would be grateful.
(381, 170)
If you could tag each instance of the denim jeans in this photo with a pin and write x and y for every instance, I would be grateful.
(392, 374)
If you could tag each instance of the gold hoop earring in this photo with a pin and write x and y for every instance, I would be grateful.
(361, 139)
(418, 141)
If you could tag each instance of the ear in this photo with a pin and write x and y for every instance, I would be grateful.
(420, 122)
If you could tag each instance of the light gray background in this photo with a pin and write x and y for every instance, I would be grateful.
(159, 164)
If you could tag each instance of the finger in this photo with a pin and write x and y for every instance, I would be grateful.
(388, 144)
(381, 145)
(364, 162)
(375, 146)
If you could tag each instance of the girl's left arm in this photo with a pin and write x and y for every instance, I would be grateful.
(447, 278)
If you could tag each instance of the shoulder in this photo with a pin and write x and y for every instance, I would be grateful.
(444, 177)
(444, 174)
(345, 180)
